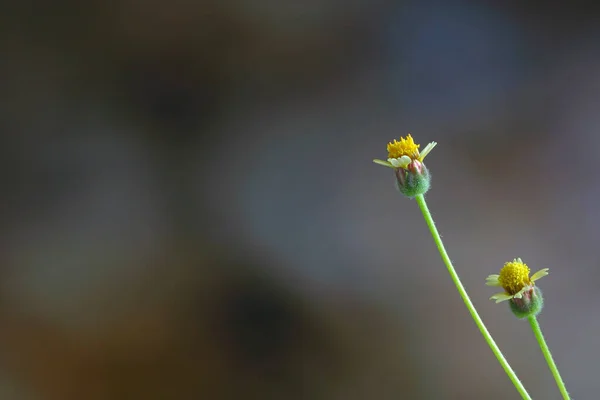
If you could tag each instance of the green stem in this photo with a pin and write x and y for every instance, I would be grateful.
(537, 331)
(463, 293)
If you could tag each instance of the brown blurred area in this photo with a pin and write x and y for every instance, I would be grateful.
(213, 327)
(189, 209)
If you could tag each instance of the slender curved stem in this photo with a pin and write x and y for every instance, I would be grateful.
(463, 293)
(537, 331)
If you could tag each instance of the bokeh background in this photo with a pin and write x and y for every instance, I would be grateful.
(189, 209)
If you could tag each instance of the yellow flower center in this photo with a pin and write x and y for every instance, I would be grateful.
(514, 276)
(404, 147)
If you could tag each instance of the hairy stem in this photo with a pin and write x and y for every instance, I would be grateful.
(537, 331)
(463, 293)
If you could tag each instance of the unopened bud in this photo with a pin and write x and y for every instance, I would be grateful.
(529, 304)
(414, 179)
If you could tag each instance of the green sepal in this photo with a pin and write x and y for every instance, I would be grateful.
(529, 305)
(412, 182)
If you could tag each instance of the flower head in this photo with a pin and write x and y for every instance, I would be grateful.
(514, 279)
(412, 176)
(404, 147)
(404, 152)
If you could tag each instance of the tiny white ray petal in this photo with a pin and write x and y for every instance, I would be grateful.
(540, 274)
(519, 294)
(501, 297)
(384, 163)
(427, 149)
(492, 280)
(404, 161)
(493, 283)
(400, 162)
(501, 300)
(394, 162)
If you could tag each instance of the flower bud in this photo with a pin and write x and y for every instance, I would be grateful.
(529, 304)
(414, 179)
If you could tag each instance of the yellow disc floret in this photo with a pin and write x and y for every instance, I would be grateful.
(404, 147)
(514, 276)
(514, 279)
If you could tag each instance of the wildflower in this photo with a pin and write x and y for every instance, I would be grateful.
(402, 153)
(412, 176)
(524, 297)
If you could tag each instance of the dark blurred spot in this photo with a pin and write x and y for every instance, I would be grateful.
(35, 182)
(258, 321)
(172, 97)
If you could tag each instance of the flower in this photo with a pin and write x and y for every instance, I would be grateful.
(412, 176)
(514, 279)
(404, 152)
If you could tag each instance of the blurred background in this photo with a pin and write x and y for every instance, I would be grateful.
(189, 209)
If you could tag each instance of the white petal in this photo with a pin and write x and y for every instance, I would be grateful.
(395, 162)
(492, 280)
(540, 274)
(404, 161)
(499, 297)
(384, 163)
(519, 294)
(427, 149)
(401, 162)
